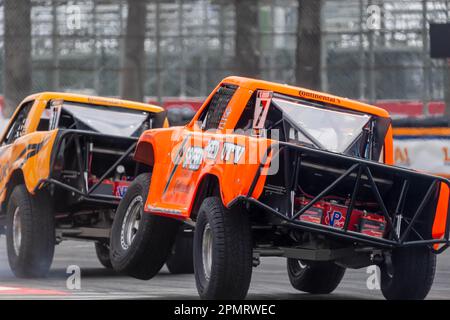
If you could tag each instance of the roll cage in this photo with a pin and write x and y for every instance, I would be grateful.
(402, 205)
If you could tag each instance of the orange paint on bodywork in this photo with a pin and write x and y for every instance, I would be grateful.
(173, 188)
(389, 147)
(440, 219)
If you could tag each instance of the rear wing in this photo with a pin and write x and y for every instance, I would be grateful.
(415, 205)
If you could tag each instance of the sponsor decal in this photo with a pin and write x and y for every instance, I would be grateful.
(263, 99)
(212, 149)
(121, 190)
(224, 118)
(229, 149)
(316, 96)
(335, 218)
(193, 158)
(231, 153)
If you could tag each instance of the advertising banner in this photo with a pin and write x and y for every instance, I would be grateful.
(423, 149)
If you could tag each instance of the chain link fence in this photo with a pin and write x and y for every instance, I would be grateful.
(371, 49)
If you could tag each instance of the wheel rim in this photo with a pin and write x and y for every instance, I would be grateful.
(297, 267)
(131, 221)
(17, 231)
(207, 251)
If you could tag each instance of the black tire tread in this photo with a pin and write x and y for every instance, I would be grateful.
(320, 277)
(102, 252)
(233, 252)
(414, 270)
(181, 259)
(144, 261)
(38, 233)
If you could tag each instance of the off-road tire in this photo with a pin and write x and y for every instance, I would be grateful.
(413, 271)
(320, 277)
(34, 214)
(152, 242)
(181, 259)
(231, 251)
(102, 251)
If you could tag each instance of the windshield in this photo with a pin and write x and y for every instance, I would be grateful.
(325, 128)
(107, 120)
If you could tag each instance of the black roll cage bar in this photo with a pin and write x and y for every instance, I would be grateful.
(84, 193)
(362, 169)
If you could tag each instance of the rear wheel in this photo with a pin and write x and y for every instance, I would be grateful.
(181, 258)
(411, 275)
(222, 251)
(102, 251)
(140, 242)
(30, 233)
(314, 277)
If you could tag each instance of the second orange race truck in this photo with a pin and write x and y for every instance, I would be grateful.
(65, 162)
(266, 169)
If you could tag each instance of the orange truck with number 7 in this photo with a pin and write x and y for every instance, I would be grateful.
(266, 169)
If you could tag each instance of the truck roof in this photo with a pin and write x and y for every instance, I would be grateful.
(255, 84)
(94, 100)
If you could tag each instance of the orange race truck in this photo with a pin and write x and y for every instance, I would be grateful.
(265, 169)
(65, 162)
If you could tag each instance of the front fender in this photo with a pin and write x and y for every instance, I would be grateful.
(236, 179)
(154, 145)
(31, 156)
(34, 159)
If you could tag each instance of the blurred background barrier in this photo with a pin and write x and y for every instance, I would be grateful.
(424, 149)
(173, 52)
(372, 50)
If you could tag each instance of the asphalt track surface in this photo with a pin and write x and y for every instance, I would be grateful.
(269, 281)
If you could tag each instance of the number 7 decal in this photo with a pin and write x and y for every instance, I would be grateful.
(263, 99)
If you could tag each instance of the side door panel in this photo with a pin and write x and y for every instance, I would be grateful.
(181, 166)
(17, 126)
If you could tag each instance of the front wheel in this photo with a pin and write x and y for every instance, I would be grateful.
(411, 275)
(140, 242)
(320, 277)
(222, 251)
(102, 251)
(30, 233)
